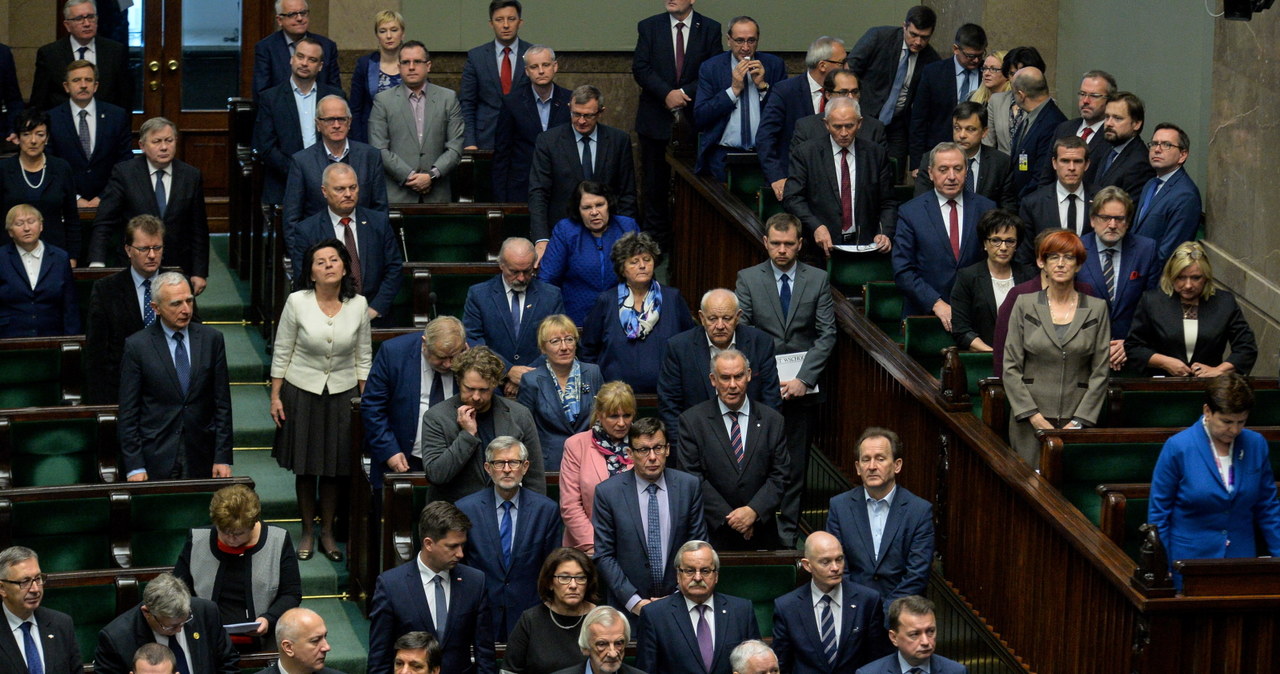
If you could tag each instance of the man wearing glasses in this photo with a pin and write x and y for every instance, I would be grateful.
(80, 18)
(272, 55)
(793, 99)
(943, 85)
(1096, 88)
(37, 639)
(514, 531)
(168, 615)
(1169, 206)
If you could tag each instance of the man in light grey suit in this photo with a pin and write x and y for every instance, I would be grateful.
(800, 316)
(418, 127)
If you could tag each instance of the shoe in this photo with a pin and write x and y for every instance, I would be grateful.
(334, 555)
(304, 555)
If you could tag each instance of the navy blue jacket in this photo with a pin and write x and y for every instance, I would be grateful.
(1037, 144)
(380, 254)
(1172, 217)
(302, 195)
(540, 393)
(1139, 272)
(906, 547)
(390, 402)
(114, 144)
(271, 62)
(400, 606)
(277, 133)
(932, 104)
(653, 65)
(796, 637)
(668, 644)
(481, 92)
(636, 362)
(789, 101)
(487, 318)
(937, 665)
(923, 265)
(50, 308)
(713, 107)
(518, 128)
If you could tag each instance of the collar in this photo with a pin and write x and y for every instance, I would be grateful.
(690, 604)
(642, 483)
(15, 622)
(814, 85)
(1166, 177)
(551, 93)
(91, 107)
(793, 272)
(1119, 149)
(942, 201)
(92, 44)
(688, 20)
(888, 498)
(593, 135)
(1096, 126)
(420, 94)
(744, 410)
(959, 68)
(35, 253)
(497, 498)
(1062, 191)
(138, 279)
(836, 594)
(506, 288)
(975, 159)
(425, 571)
(514, 47)
(346, 149)
(904, 666)
(733, 343)
(169, 332)
(152, 168)
(334, 217)
(835, 147)
(1117, 247)
(297, 90)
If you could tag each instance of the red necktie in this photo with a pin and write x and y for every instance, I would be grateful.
(955, 228)
(1086, 133)
(846, 193)
(822, 104)
(349, 239)
(679, 49)
(506, 71)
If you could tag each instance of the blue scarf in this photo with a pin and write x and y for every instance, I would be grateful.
(638, 324)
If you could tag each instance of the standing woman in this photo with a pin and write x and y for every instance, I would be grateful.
(1056, 355)
(546, 638)
(993, 78)
(593, 456)
(35, 177)
(560, 392)
(319, 362)
(577, 257)
(376, 71)
(982, 287)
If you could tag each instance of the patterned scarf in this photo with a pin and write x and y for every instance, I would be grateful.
(639, 324)
(614, 451)
(571, 394)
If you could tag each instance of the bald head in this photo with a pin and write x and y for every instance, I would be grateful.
(1031, 83)
(719, 314)
(303, 639)
(824, 560)
(819, 542)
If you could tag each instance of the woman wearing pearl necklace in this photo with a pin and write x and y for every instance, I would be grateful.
(44, 181)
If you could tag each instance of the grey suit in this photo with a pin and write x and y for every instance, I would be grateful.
(453, 459)
(999, 129)
(393, 131)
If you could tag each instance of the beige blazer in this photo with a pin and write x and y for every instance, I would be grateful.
(313, 351)
(393, 131)
(999, 134)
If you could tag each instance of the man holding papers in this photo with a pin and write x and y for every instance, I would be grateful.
(791, 302)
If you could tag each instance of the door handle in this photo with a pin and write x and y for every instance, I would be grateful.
(155, 86)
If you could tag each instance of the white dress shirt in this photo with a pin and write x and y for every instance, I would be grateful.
(1082, 208)
(91, 119)
(90, 55)
(31, 261)
(428, 585)
(836, 594)
(815, 92)
(683, 35)
(306, 104)
(448, 387)
(340, 232)
(877, 515)
(744, 413)
(168, 180)
(15, 627)
(946, 214)
(694, 615)
(853, 169)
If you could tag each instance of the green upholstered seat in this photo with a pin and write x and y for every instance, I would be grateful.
(160, 523)
(68, 534)
(883, 306)
(451, 291)
(92, 607)
(849, 271)
(761, 585)
(977, 366)
(445, 238)
(30, 377)
(54, 452)
(1154, 409)
(1085, 465)
(924, 338)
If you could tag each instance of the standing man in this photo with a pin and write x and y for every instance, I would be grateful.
(82, 43)
(1032, 136)
(1126, 164)
(91, 135)
(538, 105)
(1063, 204)
(418, 127)
(302, 639)
(739, 451)
(433, 593)
(603, 639)
(272, 54)
(913, 629)
(670, 50)
(1169, 207)
(732, 89)
(175, 395)
(839, 83)
(492, 72)
(791, 302)
(158, 184)
(989, 172)
(889, 61)
(34, 635)
(1097, 87)
(286, 119)
(168, 615)
(887, 531)
(943, 85)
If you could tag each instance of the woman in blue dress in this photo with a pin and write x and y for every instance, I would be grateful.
(377, 71)
(577, 257)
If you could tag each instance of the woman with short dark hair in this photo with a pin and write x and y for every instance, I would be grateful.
(545, 639)
(981, 288)
(577, 256)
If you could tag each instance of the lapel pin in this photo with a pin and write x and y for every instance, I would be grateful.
(49, 636)
(195, 635)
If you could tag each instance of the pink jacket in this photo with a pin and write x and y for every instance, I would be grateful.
(581, 469)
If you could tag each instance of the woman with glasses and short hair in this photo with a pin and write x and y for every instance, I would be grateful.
(560, 392)
(982, 287)
(546, 638)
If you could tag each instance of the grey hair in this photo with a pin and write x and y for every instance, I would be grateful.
(280, 6)
(820, 50)
(707, 296)
(287, 628)
(66, 8)
(943, 147)
(505, 442)
(334, 97)
(153, 125)
(745, 651)
(730, 353)
(167, 597)
(537, 49)
(512, 242)
(168, 278)
(15, 554)
(696, 545)
(335, 167)
(442, 327)
(605, 616)
(587, 93)
(839, 102)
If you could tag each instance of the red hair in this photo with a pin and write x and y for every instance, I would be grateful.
(1062, 241)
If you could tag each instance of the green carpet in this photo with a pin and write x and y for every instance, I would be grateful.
(251, 414)
(246, 352)
(348, 634)
(226, 296)
(273, 484)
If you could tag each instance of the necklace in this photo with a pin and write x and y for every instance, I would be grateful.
(1190, 312)
(570, 626)
(26, 180)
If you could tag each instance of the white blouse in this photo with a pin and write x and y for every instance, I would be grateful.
(313, 351)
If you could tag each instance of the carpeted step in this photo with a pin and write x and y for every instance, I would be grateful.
(251, 415)
(226, 296)
(246, 352)
(348, 634)
(273, 483)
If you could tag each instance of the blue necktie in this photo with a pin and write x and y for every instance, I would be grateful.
(968, 177)
(34, 665)
(653, 541)
(504, 533)
(179, 654)
(161, 201)
(442, 608)
(744, 106)
(966, 87)
(1148, 195)
(148, 311)
(515, 310)
(587, 172)
(895, 90)
(1106, 166)
(784, 296)
(181, 362)
(827, 630)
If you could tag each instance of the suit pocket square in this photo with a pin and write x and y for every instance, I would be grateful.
(1134, 275)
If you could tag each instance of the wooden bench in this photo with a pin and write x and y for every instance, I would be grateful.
(48, 446)
(41, 371)
(1123, 511)
(457, 232)
(432, 289)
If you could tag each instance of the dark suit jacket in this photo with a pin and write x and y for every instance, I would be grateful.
(131, 191)
(557, 170)
(380, 253)
(56, 201)
(1037, 144)
(923, 264)
(937, 665)
(713, 107)
(668, 644)
(1039, 211)
(390, 402)
(798, 643)
(512, 589)
(400, 606)
(302, 195)
(158, 421)
(809, 326)
(277, 133)
(906, 547)
(933, 101)
(58, 639)
(453, 459)
(11, 104)
(813, 190)
(684, 382)
(113, 144)
(275, 669)
(635, 361)
(582, 669)
(973, 303)
(1157, 329)
(1098, 146)
(653, 65)
(518, 128)
(995, 179)
(481, 93)
(789, 101)
(1173, 216)
(1139, 272)
(815, 126)
(875, 60)
(271, 62)
(114, 314)
(48, 309)
(212, 653)
(115, 86)
(1130, 171)
(487, 317)
(540, 393)
(758, 483)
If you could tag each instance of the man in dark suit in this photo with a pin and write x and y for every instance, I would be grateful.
(732, 89)
(1033, 135)
(634, 550)
(804, 326)
(1169, 206)
(302, 640)
(395, 397)
(1096, 88)
(913, 630)
(375, 251)
(119, 306)
(514, 531)
(168, 615)
(91, 135)
(603, 638)
(937, 235)
(11, 104)
(683, 382)
(416, 596)
(889, 61)
(1063, 204)
(853, 204)
(671, 643)
(790, 101)
(455, 432)
(561, 157)
(491, 72)
(988, 171)
(504, 312)
(670, 50)
(538, 105)
(286, 119)
(839, 83)
(158, 184)
(886, 531)
(1125, 163)
(175, 395)
(739, 451)
(80, 18)
(944, 84)
(302, 195)
(830, 624)
(21, 592)
(272, 54)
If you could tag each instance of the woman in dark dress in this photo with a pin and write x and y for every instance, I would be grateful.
(38, 178)
(377, 71)
(545, 639)
(981, 288)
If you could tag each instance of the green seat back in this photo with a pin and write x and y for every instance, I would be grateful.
(30, 378)
(402, 305)
(93, 606)
(924, 338)
(1157, 409)
(884, 307)
(761, 585)
(48, 453)
(161, 523)
(849, 271)
(1135, 515)
(445, 238)
(451, 291)
(68, 534)
(1086, 465)
(977, 366)
(482, 179)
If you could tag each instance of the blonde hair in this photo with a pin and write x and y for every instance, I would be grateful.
(235, 508)
(12, 216)
(614, 396)
(982, 94)
(387, 16)
(554, 323)
(1185, 255)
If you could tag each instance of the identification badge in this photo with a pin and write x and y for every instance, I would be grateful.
(1022, 161)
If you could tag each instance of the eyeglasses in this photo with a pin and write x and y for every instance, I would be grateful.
(300, 14)
(507, 464)
(565, 579)
(645, 451)
(333, 120)
(991, 69)
(833, 62)
(171, 627)
(1085, 94)
(972, 56)
(1000, 243)
(851, 93)
(1114, 219)
(147, 249)
(83, 18)
(562, 341)
(1163, 145)
(26, 583)
(696, 572)
(588, 116)
(744, 40)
